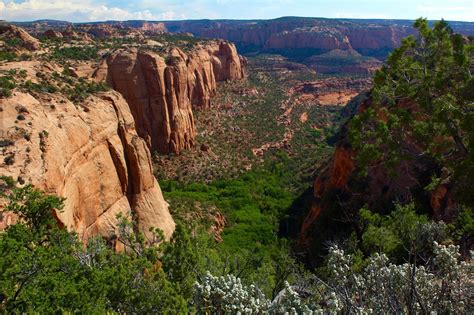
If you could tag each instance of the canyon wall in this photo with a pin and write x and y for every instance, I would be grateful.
(163, 91)
(89, 154)
(303, 33)
(315, 38)
(369, 37)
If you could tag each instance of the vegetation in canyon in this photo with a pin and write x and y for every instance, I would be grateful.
(239, 197)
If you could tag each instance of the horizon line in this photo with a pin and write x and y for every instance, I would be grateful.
(230, 19)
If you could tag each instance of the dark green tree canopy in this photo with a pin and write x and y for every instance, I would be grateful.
(422, 106)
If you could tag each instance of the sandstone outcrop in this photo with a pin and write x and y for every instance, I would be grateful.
(156, 27)
(53, 34)
(377, 37)
(25, 40)
(332, 91)
(89, 154)
(162, 91)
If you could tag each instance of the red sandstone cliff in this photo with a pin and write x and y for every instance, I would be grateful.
(96, 152)
(303, 33)
(89, 154)
(162, 92)
(316, 38)
(376, 37)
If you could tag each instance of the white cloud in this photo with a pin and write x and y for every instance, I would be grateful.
(170, 15)
(74, 10)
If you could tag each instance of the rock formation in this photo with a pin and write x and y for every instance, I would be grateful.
(53, 34)
(316, 38)
(89, 154)
(369, 37)
(153, 27)
(95, 152)
(20, 37)
(162, 91)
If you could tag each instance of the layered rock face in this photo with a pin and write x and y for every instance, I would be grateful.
(91, 155)
(369, 37)
(316, 38)
(304, 33)
(163, 92)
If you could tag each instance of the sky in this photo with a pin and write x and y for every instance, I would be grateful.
(100, 10)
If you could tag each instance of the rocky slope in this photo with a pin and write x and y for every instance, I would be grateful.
(90, 154)
(163, 91)
(17, 38)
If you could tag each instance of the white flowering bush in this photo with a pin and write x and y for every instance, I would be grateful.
(288, 301)
(444, 285)
(227, 295)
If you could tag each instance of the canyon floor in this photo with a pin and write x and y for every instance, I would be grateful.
(281, 107)
(277, 127)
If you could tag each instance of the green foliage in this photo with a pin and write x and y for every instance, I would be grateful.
(75, 53)
(41, 87)
(34, 207)
(462, 229)
(11, 42)
(464, 224)
(7, 55)
(400, 234)
(7, 182)
(7, 84)
(46, 269)
(83, 88)
(253, 205)
(422, 98)
(180, 261)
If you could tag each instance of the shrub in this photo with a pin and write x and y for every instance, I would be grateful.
(9, 159)
(7, 84)
(46, 269)
(6, 143)
(83, 88)
(380, 287)
(75, 53)
(7, 56)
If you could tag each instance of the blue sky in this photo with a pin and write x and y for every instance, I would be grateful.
(90, 10)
